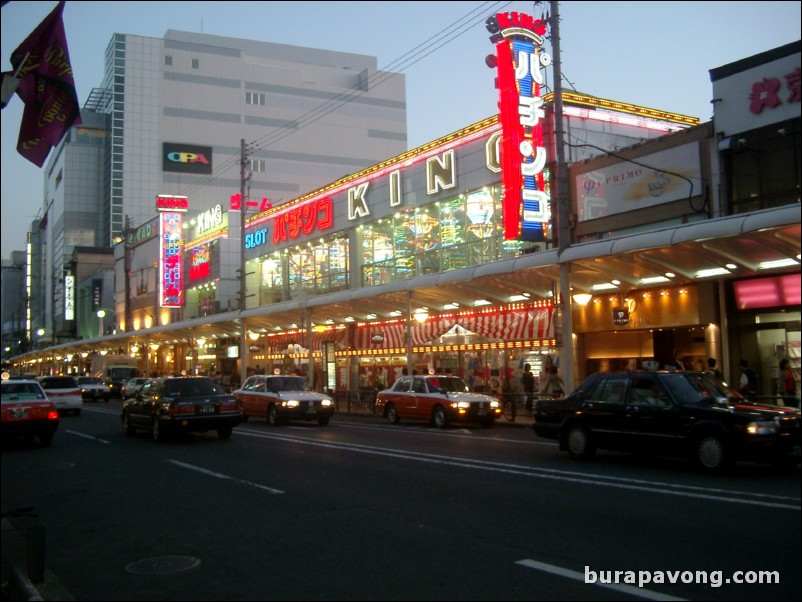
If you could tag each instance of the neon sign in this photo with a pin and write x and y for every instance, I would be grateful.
(171, 247)
(519, 58)
(200, 258)
(303, 219)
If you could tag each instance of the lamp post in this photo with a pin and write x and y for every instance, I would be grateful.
(101, 313)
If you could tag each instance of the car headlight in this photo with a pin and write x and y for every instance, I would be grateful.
(764, 427)
(326, 402)
(495, 404)
(293, 403)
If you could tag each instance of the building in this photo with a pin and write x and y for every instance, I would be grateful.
(665, 253)
(170, 117)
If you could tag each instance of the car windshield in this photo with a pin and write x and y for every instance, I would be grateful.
(452, 384)
(192, 386)
(55, 382)
(14, 391)
(286, 383)
(692, 388)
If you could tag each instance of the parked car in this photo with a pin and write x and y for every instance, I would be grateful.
(673, 413)
(131, 386)
(93, 388)
(436, 398)
(64, 392)
(27, 412)
(181, 404)
(280, 399)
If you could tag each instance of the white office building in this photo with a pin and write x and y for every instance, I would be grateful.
(170, 118)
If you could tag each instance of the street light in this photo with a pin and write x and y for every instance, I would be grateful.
(101, 313)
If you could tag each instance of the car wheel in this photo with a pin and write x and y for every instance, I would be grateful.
(155, 429)
(128, 428)
(439, 417)
(323, 420)
(392, 414)
(579, 443)
(272, 415)
(711, 452)
(224, 432)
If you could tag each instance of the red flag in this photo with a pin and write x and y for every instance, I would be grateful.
(47, 88)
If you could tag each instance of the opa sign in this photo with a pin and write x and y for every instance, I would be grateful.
(186, 158)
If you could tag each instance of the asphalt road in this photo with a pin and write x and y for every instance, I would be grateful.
(364, 510)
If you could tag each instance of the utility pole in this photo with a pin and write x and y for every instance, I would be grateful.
(243, 336)
(563, 206)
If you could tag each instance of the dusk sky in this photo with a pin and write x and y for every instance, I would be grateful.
(655, 54)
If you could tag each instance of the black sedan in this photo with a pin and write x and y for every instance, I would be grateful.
(181, 404)
(674, 413)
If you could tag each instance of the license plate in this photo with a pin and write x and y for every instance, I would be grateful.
(481, 412)
(19, 413)
(209, 409)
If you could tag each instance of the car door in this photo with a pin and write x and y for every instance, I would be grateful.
(420, 400)
(138, 407)
(252, 396)
(602, 409)
(402, 398)
(649, 414)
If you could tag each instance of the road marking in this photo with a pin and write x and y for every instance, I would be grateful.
(664, 488)
(218, 475)
(85, 436)
(631, 590)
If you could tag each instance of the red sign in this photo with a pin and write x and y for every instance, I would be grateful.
(172, 203)
(519, 58)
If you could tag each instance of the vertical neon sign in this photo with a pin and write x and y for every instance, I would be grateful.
(171, 249)
(519, 58)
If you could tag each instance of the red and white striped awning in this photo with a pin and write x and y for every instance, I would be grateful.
(510, 325)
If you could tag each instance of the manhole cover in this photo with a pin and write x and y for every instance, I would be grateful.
(162, 565)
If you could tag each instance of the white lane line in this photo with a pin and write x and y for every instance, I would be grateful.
(631, 590)
(223, 476)
(98, 439)
(662, 488)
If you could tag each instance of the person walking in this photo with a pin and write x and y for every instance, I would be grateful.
(678, 365)
(554, 384)
(747, 385)
(713, 371)
(787, 386)
(529, 387)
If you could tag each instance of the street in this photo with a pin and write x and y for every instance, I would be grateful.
(364, 510)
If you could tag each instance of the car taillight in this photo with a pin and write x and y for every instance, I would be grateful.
(52, 414)
(181, 408)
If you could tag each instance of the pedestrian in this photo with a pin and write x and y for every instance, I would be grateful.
(787, 385)
(713, 371)
(529, 387)
(747, 385)
(554, 384)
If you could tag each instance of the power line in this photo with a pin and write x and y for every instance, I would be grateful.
(421, 51)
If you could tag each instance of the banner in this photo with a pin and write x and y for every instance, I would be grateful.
(46, 86)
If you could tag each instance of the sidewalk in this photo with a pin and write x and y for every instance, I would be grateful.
(24, 574)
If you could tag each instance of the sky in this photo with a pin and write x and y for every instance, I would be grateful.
(653, 54)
